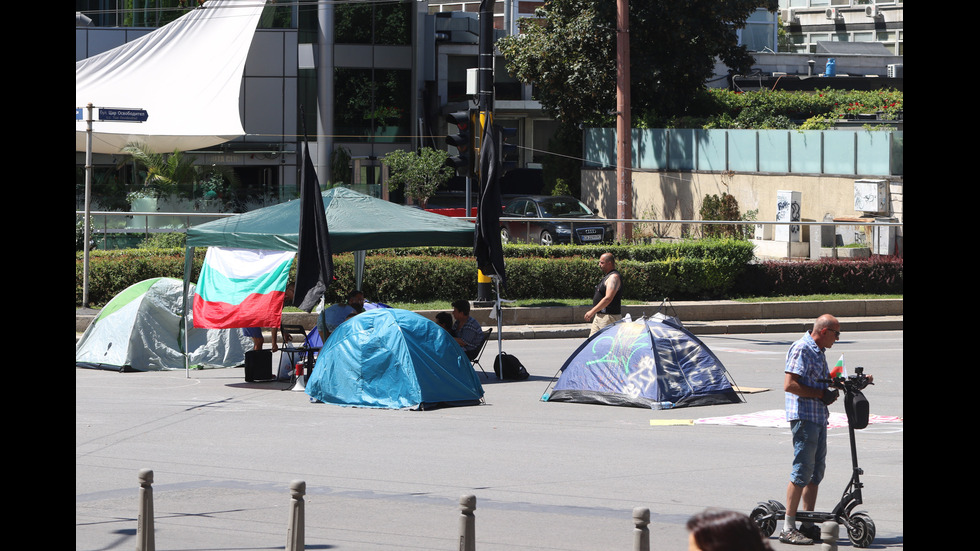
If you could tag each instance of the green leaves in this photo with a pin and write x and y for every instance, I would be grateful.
(421, 173)
(571, 55)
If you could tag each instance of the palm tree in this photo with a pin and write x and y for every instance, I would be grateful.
(175, 174)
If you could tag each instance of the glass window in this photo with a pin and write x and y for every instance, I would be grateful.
(371, 23)
(372, 104)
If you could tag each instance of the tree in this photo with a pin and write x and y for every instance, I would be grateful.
(421, 173)
(175, 174)
(570, 54)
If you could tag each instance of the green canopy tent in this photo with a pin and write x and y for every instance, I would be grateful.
(357, 223)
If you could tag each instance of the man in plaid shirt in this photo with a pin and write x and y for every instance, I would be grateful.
(468, 332)
(806, 410)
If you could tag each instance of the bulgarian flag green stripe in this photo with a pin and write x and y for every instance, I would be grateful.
(241, 288)
(839, 370)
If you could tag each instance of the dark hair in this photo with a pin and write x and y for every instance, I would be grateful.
(719, 530)
(463, 306)
(355, 293)
(445, 319)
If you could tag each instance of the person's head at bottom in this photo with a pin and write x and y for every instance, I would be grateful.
(720, 530)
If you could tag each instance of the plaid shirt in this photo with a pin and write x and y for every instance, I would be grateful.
(807, 360)
(470, 332)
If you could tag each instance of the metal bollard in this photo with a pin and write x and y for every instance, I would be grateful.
(828, 535)
(144, 522)
(641, 530)
(467, 523)
(296, 533)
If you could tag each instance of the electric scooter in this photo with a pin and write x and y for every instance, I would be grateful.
(860, 527)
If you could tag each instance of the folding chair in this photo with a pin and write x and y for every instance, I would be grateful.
(479, 352)
(292, 331)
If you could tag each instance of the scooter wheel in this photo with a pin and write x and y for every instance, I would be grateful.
(764, 518)
(861, 530)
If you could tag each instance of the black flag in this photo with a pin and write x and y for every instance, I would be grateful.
(314, 266)
(488, 249)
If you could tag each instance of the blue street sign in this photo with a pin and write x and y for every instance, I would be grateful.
(122, 115)
(78, 113)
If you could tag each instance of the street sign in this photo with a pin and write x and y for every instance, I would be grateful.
(78, 113)
(122, 114)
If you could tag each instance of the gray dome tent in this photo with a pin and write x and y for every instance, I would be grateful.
(140, 329)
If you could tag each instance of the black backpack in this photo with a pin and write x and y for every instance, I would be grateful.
(512, 368)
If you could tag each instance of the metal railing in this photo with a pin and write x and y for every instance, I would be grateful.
(105, 230)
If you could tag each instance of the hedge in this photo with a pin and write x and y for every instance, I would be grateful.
(689, 270)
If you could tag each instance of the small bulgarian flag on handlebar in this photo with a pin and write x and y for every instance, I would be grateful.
(838, 370)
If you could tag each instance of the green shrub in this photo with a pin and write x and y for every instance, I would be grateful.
(682, 270)
(879, 275)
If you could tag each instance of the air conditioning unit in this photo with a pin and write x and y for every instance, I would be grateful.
(872, 11)
(789, 16)
(896, 70)
(832, 13)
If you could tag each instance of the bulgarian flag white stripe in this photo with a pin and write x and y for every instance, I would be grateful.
(241, 288)
(839, 370)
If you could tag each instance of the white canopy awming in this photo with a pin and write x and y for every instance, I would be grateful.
(186, 75)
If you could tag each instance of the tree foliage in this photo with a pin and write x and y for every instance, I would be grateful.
(570, 54)
(175, 174)
(420, 173)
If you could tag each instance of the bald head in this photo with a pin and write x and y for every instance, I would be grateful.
(826, 331)
(607, 262)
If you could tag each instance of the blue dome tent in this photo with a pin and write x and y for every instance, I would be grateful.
(392, 358)
(651, 363)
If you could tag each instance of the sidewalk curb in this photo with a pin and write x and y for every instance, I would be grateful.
(700, 317)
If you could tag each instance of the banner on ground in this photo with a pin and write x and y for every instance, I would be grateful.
(241, 288)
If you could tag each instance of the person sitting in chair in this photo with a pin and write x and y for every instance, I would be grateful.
(467, 331)
(445, 320)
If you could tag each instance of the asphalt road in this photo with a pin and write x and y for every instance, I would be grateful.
(547, 476)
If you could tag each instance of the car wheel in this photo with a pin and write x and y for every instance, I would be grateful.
(546, 238)
(504, 236)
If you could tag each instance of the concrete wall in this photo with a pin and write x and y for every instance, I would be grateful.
(678, 195)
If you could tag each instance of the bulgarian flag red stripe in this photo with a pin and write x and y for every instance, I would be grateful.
(838, 369)
(241, 288)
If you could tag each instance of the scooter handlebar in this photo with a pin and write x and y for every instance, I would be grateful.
(858, 381)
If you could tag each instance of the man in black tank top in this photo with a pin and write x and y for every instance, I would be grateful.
(607, 301)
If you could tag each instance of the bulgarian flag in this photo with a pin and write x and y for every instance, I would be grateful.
(241, 288)
(838, 370)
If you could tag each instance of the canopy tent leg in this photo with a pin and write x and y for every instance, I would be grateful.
(188, 266)
(496, 313)
(359, 258)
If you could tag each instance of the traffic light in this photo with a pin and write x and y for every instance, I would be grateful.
(462, 140)
(507, 152)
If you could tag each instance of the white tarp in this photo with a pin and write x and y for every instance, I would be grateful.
(186, 75)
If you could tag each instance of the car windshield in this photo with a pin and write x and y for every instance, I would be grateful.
(563, 208)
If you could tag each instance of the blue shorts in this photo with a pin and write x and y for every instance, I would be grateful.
(253, 332)
(809, 452)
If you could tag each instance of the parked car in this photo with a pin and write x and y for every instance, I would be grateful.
(591, 229)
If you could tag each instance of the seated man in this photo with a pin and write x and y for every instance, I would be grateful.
(331, 317)
(467, 330)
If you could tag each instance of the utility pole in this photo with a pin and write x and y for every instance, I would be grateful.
(624, 155)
